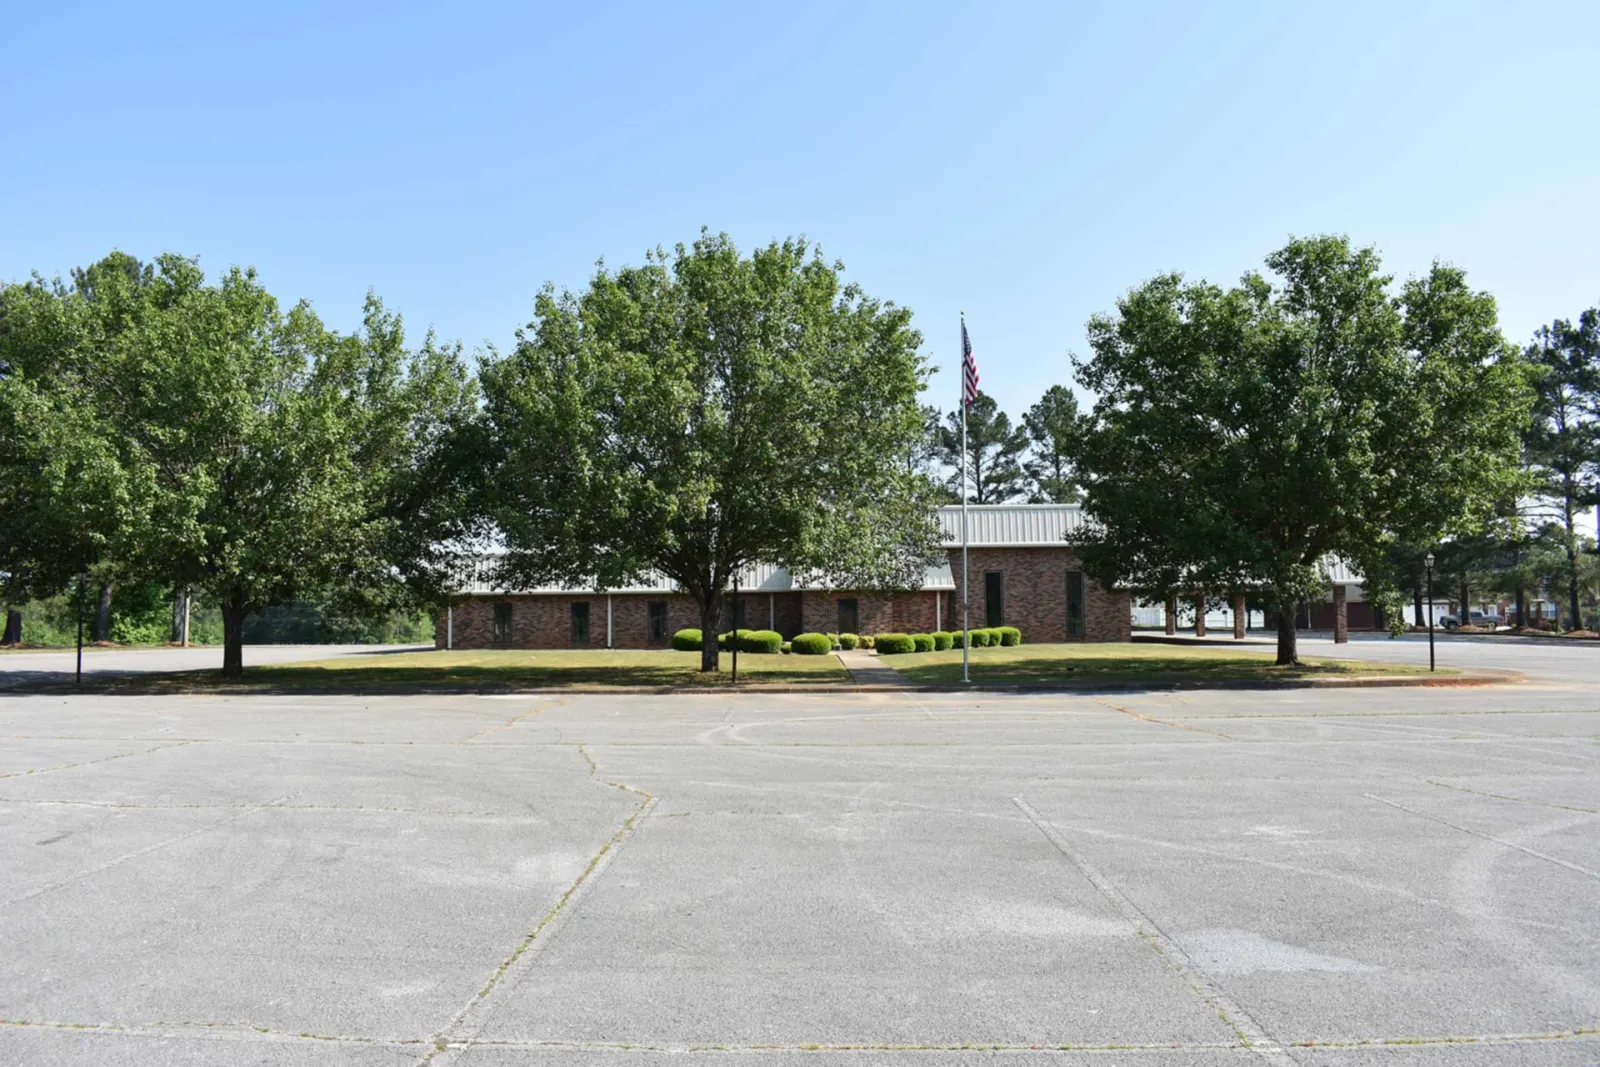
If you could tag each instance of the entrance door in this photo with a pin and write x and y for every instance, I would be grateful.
(849, 615)
(1074, 605)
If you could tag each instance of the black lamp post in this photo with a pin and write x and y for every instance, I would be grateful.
(1427, 561)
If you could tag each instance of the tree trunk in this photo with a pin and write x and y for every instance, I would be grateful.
(1572, 568)
(102, 615)
(233, 616)
(1288, 653)
(710, 616)
(1465, 618)
(13, 634)
(180, 616)
(1416, 601)
(1522, 607)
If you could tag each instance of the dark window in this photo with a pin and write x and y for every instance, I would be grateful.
(658, 621)
(502, 622)
(580, 624)
(1074, 605)
(994, 599)
(849, 615)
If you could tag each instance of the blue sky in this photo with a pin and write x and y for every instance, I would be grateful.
(1028, 163)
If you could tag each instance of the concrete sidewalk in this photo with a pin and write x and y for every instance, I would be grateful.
(867, 669)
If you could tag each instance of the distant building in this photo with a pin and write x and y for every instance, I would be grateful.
(1023, 574)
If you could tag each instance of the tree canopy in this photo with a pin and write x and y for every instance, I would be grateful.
(994, 453)
(704, 412)
(1052, 424)
(194, 433)
(1243, 435)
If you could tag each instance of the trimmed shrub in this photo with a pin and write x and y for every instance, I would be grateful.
(958, 639)
(761, 642)
(811, 645)
(867, 641)
(833, 637)
(894, 644)
(848, 641)
(687, 640)
(785, 648)
(978, 638)
(942, 640)
(922, 642)
(1010, 635)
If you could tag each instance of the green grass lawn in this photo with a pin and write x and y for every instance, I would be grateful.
(517, 668)
(1047, 664)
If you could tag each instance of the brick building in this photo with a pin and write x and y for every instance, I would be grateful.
(1022, 575)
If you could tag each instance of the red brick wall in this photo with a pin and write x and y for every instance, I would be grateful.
(545, 621)
(1035, 603)
(876, 613)
(1035, 594)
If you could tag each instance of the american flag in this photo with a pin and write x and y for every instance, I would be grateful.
(969, 368)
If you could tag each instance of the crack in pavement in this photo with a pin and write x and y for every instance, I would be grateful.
(536, 709)
(1162, 722)
(211, 1031)
(474, 1011)
(1535, 853)
(136, 853)
(1251, 1033)
(103, 759)
(366, 808)
(1503, 796)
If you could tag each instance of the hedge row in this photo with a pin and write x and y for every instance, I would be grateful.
(758, 641)
(939, 641)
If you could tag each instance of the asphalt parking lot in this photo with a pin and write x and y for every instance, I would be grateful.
(1314, 877)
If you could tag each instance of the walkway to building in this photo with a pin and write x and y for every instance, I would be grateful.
(867, 669)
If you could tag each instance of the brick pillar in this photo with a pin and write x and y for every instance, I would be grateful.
(1241, 617)
(1341, 616)
(1199, 614)
(1172, 615)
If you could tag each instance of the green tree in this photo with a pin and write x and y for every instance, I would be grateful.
(704, 412)
(1242, 436)
(994, 453)
(71, 489)
(1052, 425)
(268, 457)
(1563, 446)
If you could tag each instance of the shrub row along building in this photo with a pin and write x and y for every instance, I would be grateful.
(1023, 574)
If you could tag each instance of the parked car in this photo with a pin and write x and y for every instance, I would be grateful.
(1486, 619)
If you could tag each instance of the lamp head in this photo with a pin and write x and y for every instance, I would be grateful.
(1428, 560)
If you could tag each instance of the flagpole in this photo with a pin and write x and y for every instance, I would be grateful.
(966, 633)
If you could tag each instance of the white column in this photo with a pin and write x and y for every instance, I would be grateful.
(937, 597)
(608, 620)
(450, 627)
(772, 611)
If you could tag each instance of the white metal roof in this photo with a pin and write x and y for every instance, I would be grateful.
(763, 578)
(1010, 525)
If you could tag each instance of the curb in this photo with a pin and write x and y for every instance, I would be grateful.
(1464, 679)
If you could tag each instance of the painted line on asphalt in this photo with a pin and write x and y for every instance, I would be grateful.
(1535, 853)
(1252, 1033)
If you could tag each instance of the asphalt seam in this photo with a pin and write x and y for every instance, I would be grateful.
(1251, 1033)
(1535, 853)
